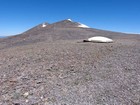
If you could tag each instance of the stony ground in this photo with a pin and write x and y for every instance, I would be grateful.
(71, 73)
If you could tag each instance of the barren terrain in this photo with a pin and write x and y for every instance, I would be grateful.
(71, 73)
(53, 66)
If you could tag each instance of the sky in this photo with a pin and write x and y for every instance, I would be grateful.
(17, 16)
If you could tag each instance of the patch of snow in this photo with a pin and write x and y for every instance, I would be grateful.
(100, 39)
(44, 25)
(83, 25)
(69, 20)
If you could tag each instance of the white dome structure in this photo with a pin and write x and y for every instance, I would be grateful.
(99, 39)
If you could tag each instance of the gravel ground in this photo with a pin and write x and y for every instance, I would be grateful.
(71, 73)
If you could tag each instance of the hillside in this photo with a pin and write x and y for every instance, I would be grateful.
(50, 65)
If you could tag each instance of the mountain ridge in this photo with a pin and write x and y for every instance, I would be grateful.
(61, 30)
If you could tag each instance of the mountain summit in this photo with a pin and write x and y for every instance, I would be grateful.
(69, 24)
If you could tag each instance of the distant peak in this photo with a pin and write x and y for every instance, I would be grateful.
(69, 23)
(69, 19)
(44, 25)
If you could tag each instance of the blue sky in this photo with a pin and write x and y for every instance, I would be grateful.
(17, 16)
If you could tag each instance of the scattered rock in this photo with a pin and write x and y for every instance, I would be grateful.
(26, 101)
(26, 94)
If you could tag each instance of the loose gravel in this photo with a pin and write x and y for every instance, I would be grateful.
(71, 73)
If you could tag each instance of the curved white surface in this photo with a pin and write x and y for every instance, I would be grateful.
(100, 39)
